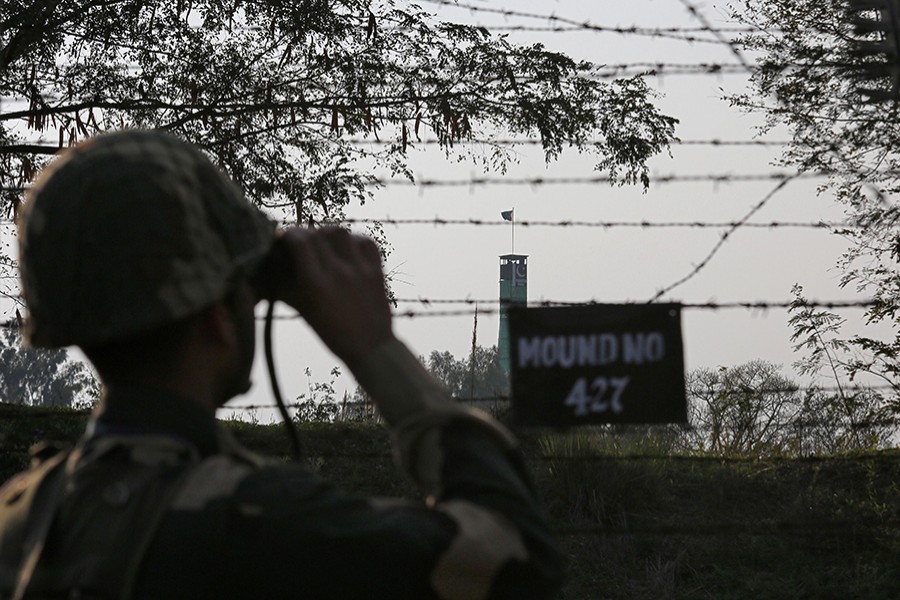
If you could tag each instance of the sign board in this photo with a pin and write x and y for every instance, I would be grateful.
(600, 363)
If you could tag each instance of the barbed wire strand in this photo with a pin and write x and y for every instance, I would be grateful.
(697, 15)
(590, 453)
(759, 305)
(714, 306)
(442, 221)
(545, 28)
(722, 240)
(781, 528)
(537, 142)
(506, 400)
(586, 25)
(583, 455)
(663, 32)
(631, 29)
(35, 145)
(473, 222)
(598, 71)
(715, 178)
(556, 28)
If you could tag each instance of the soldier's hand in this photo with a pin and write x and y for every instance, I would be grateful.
(337, 285)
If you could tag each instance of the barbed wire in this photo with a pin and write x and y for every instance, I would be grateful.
(760, 305)
(726, 235)
(37, 146)
(612, 457)
(659, 69)
(537, 142)
(634, 29)
(473, 222)
(687, 457)
(606, 432)
(722, 240)
(475, 181)
(507, 400)
(698, 16)
(625, 30)
(551, 28)
(761, 528)
(598, 71)
(679, 34)
(676, 457)
(478, 304)
(441, 221)
(716, 178)
(494, 27)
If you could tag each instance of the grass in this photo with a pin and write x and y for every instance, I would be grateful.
(636, 521)
(642, 525)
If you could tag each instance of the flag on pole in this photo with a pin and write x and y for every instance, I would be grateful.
(508, 216)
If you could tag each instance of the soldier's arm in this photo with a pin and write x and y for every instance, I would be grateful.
(467, 464)
(463, 460)
(282, 532)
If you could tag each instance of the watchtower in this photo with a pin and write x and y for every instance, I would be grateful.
(513, 292)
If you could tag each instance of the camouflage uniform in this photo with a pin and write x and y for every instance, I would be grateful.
(157, 501)
(236, 527)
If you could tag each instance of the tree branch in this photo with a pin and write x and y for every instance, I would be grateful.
(29, 149)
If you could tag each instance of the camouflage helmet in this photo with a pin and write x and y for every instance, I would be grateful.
(129, 231)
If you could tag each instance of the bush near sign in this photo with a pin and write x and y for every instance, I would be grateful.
(600, 363)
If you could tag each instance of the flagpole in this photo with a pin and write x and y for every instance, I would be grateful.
(510, 215)
(472, 357)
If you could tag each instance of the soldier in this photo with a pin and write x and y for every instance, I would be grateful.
(135, 248)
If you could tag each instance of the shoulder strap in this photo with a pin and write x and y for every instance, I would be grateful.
(44, 507)
(148, 532)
